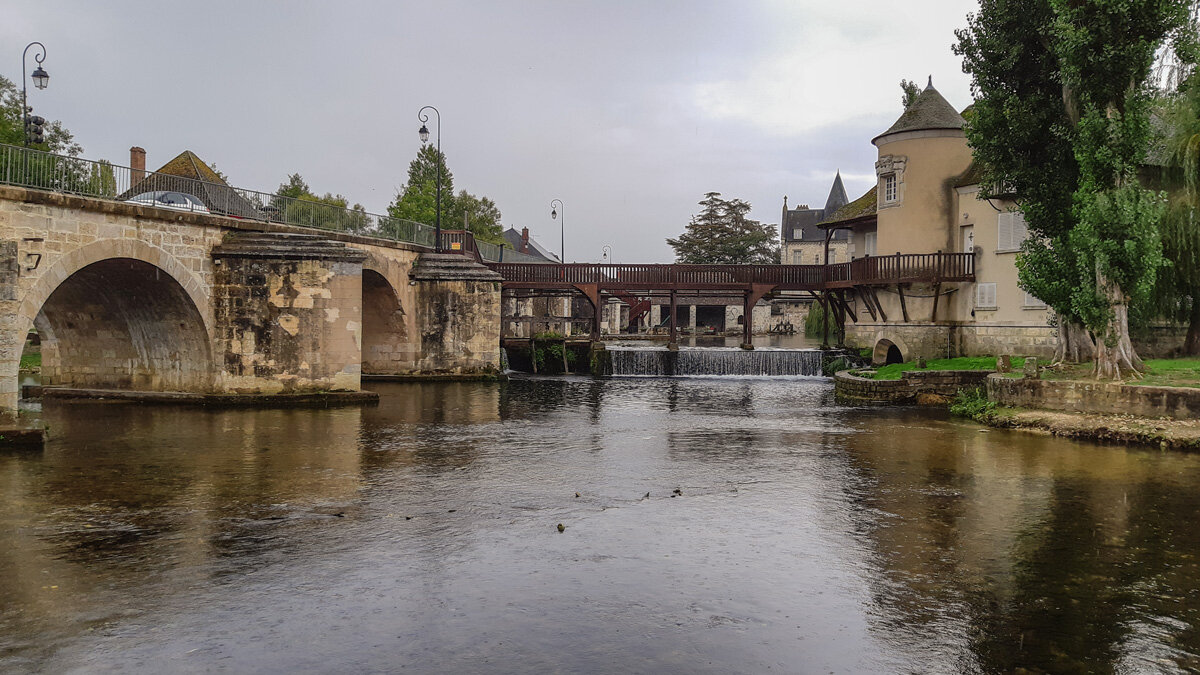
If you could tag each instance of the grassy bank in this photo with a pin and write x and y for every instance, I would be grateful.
(1159, 373)
(894, 370)
(31, 360)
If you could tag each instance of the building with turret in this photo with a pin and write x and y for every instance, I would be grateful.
(802, 242)
(927, 200)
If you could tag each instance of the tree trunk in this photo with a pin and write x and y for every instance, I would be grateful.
(1075, 344)
(1191, 345)
(1115, 356)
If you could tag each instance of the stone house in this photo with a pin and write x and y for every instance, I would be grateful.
(926, 200)
(802, 242)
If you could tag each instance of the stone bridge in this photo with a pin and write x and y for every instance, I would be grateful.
(139, 298)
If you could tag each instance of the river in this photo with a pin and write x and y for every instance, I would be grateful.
(714, 525)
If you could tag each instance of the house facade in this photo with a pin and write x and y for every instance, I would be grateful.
(927, 200)
(802, 242)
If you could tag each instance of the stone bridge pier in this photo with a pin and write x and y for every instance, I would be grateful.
(140, 301)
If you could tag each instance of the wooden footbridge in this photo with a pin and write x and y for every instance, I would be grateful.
(831, 285)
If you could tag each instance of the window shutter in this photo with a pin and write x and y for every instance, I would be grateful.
(1020, 232)
(1004, 232)
(985, 295)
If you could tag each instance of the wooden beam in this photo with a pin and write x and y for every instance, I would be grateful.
(864, 294)
(878, 305)
(937, 293)
(903, 304)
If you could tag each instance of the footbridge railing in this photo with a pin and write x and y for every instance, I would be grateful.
(870, 270)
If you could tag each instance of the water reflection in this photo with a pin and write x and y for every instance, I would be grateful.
(720, 526)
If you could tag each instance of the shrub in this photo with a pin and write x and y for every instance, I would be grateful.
(831, 366)
(813, 321)
(973, 404)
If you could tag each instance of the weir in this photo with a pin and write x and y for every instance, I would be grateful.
(661, 362)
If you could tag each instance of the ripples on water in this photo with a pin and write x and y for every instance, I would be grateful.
(420, 535)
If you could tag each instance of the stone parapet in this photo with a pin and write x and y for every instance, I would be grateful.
(1104, 398)
(945, 383)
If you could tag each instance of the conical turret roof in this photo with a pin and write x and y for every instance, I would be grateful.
(929, 111)
(837, 196)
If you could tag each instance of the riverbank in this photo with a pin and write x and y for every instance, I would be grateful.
(1127, 429)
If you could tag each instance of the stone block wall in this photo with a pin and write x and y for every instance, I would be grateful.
(1104, 398)
(458, 310)
(290, 312)
(991, 340)
(853, 388)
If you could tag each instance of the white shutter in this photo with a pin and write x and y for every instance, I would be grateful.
(1004, 231)
(985, 294)
(1032, 301)
(869, 243)
(1020, 230)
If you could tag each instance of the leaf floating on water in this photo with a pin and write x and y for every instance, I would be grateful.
(646, 496)
(577, 495)
(561, 527)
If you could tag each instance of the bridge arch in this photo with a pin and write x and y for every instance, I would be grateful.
(121, 315)
(889, 348)
(385, 334)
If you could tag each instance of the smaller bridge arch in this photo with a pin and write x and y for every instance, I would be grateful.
(889, 348)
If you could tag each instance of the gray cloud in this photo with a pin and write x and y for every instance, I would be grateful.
(627, 111)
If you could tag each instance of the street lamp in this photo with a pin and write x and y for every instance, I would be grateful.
(607, 251)
(424, 133)
(562, 246)
(41, 79)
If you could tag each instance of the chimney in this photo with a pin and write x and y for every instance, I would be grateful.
(524, 240)
(137, 165)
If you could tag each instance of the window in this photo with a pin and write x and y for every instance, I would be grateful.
(985, 295)
(869, 240)
(889, 188)
(1031, 302)
(797, 233)
(832, 256)
(968, 239)
(817, 259)
(796, 259)
(1010, 231)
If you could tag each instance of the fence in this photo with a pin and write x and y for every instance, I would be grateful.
(26, 167)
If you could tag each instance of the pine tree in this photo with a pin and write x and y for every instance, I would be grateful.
(722, 235)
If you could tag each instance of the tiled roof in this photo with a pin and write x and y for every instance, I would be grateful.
(929, 111)
(837, 195)
(859, 210)
(189, 174)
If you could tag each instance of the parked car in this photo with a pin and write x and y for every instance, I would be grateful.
(178, 201)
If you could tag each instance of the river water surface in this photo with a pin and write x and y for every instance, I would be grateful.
(420, 536)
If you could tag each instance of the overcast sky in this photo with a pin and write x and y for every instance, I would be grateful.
(626, 111)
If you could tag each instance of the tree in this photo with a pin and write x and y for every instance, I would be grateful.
(12, 124)
(1061, 121)
(298, 205)
(722, 235)
(911, 91)
(417, 200)
(479, 215)
(1177, 291)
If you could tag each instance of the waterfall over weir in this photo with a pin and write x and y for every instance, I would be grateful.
(660, 362)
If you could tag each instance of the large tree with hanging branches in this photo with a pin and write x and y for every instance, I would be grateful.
(1062, 121)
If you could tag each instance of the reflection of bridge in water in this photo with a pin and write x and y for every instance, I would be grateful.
(831, 285)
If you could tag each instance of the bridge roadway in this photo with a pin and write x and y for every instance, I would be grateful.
(830, 284)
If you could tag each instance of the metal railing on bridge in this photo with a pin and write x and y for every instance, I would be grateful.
(30, 168)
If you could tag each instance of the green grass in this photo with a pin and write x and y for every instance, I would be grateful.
(1159, 373)
(30, 361)
(893, 371)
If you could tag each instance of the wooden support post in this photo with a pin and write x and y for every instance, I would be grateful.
(937, 293)
(825, 320)
(532, 351)
(865, 295)
(878, 305)
(747, 319)
(846, 306)
(673, 341)
(903, 305)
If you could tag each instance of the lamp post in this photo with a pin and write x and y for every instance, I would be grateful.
(424, 132)
(562, 245)
(607, 251)
(40, 80)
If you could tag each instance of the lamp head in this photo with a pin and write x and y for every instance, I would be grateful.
(424, 132)
(41, 79)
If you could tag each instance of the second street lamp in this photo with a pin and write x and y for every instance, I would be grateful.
(562, 245)
(424, 133)
(41, 79)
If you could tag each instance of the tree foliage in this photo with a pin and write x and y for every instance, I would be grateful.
(417, 199)
(299, 205)
(12, 124)
(722, 235)
(1177, 293)
(911, 90)
(1061, 120)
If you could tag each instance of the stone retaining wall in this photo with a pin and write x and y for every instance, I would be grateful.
(1104, 398)
(911, 383)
